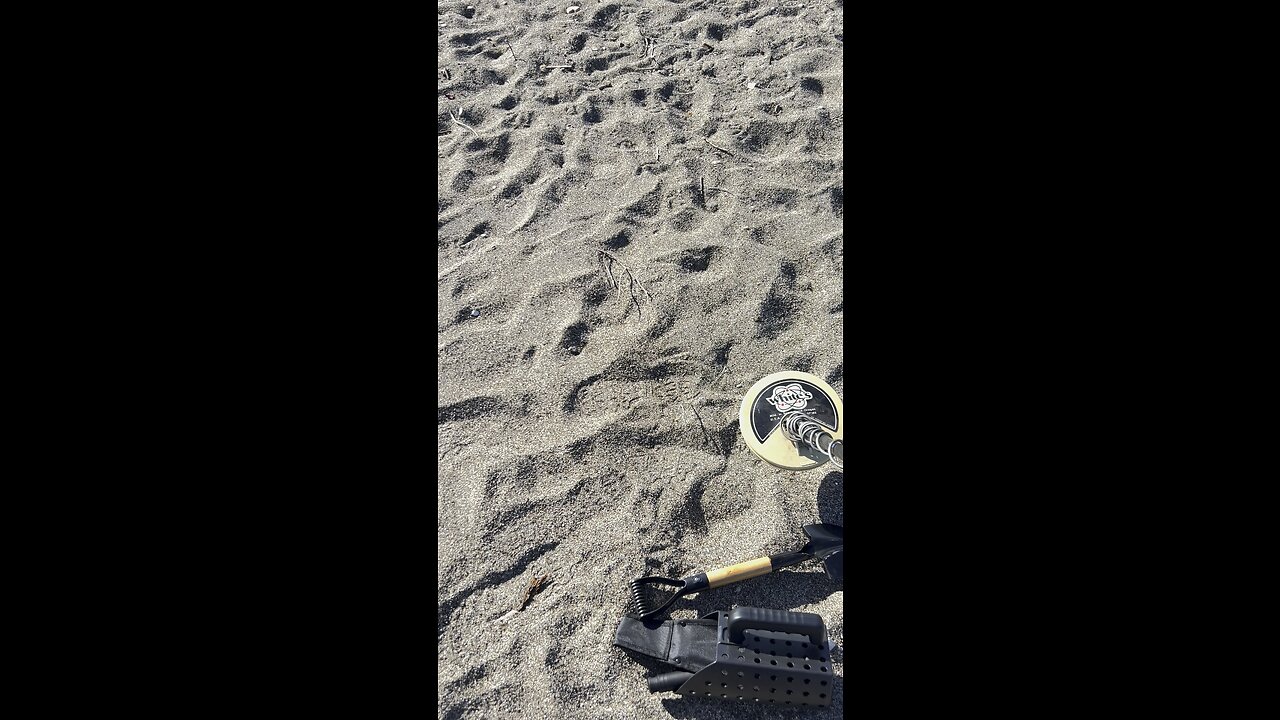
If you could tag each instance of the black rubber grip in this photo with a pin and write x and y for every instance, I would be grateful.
(749, 618)
(668, 681)
(694, 583)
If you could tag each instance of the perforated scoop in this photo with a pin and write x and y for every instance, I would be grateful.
(760, 656)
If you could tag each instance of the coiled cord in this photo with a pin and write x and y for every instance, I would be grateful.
(800, 428)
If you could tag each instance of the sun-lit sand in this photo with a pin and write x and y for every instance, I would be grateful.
(625, 246)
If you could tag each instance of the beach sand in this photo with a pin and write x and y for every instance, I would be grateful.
(624, 247)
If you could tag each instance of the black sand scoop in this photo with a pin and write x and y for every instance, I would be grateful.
(758, 655)
(826, 543)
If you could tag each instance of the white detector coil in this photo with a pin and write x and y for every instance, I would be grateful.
(772, 398)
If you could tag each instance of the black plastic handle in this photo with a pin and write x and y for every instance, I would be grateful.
(801, 623)
(668, 681)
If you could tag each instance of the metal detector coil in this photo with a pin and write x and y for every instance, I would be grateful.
(783, 394)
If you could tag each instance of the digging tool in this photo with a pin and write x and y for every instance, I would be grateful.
(826, 543)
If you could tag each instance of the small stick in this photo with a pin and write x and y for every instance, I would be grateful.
(721, 190)
(608, 270)
(459, 123)
(631, 278)
(716, 146)
(644, 289)
(631, 288)
(722, 372)
(536, 583)
(513, 51)
(694, 404)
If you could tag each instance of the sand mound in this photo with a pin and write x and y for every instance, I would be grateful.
(624, 247)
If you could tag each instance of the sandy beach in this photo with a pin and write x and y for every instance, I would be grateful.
(639, 216)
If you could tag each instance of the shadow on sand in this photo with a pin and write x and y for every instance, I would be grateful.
(831, 498)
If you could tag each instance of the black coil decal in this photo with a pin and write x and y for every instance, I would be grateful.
(777, 399)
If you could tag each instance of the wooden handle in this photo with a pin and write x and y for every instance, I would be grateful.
(741, 571)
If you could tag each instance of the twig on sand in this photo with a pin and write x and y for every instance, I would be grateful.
(721, 190)
(607, 260)
(716, 146)
(722, 372)
(468, 127)
(694, 404)
(536, 583)
(757, 16)
(513, 53)
(459, 123)
(608, 271)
